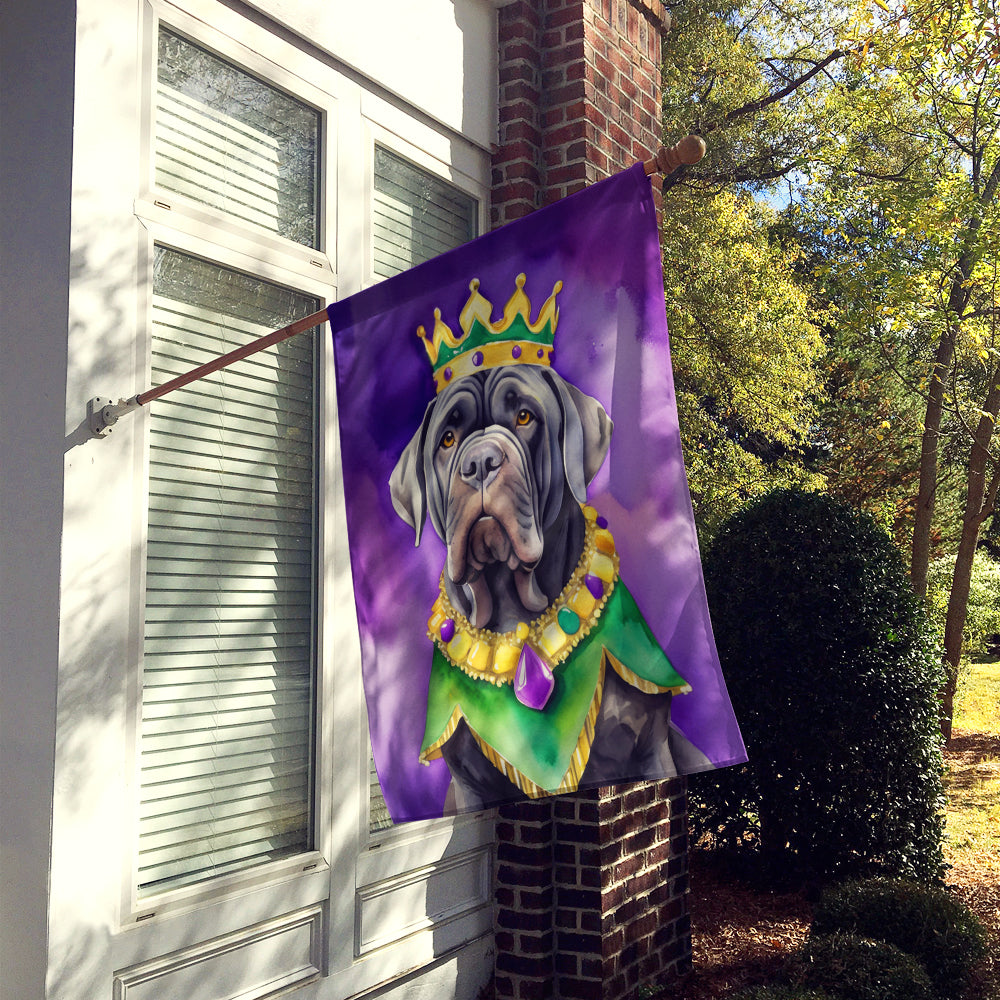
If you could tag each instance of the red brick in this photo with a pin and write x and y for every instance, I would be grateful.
(521, 90)
(536, 944)
(532, 899)
(581, 989)
(518, 49)
(577, 941)
(520, 130)
(520, 920)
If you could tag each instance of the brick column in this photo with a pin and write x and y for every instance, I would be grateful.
(591, 889)
(579, 96)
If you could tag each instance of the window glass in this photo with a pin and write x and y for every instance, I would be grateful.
(228, 656)
(235, 143)
(416, 217)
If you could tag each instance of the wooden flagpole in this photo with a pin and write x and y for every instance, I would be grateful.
(102, 413)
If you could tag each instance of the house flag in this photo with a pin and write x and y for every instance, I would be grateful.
(528, 587)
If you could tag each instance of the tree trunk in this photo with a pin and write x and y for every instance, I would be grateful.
(958, 299)
(920, 554)
(979, 502)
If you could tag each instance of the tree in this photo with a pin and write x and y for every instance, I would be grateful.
(912, 188)
(746, 355)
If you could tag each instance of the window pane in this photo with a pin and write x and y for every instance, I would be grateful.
(416, 217)
(228, 661)
(228, 140)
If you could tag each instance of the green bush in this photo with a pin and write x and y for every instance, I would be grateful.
(856, 968)
(925, 922)
(983, 612)
(833, 672)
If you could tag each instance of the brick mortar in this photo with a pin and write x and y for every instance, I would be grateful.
(590, 889)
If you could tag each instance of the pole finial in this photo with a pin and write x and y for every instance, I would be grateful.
(668, 158)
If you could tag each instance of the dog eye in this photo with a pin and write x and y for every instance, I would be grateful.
(524, 417)
(448, 440)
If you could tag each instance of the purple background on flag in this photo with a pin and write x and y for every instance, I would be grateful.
(611, 341)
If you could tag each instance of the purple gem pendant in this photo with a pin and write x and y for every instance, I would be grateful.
(534, 680)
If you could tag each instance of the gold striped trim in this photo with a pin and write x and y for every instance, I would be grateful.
(434, 750)
(647, 687)
(577, 763)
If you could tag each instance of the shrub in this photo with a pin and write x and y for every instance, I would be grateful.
(982, 619)
(856, 968)
(925, 922)
(833, 673)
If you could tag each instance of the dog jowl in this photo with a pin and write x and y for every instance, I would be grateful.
(545, 675)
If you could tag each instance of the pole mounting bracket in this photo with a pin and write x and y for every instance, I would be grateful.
(103, 413)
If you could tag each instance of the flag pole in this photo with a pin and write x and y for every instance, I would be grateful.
(103, 413)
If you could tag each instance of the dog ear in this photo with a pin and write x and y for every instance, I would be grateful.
(408, 484)
(586, 435)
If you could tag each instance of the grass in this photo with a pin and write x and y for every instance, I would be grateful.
(978, 698)
(972, 848)
(973, 782)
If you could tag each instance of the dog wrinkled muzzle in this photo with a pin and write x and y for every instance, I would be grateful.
(493, 519)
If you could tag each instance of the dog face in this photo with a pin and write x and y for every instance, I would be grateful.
(497, 458)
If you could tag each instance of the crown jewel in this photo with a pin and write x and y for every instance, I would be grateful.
(483, 343)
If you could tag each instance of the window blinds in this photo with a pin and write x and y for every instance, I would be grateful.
(416, 216)
(227, 681)
(225, 139)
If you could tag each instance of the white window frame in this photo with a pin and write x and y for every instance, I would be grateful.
(350, 874)
(180, 224)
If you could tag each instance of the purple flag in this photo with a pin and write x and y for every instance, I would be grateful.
(529, 592)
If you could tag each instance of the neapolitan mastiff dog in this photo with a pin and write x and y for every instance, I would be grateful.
(501, 464)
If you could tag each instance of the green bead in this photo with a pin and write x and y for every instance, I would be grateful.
(569, 621)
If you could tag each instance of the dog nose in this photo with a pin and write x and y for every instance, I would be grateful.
(481, 463)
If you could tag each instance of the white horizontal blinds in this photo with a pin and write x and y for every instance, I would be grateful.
(228, 655)
(416, 217)
(231, 141)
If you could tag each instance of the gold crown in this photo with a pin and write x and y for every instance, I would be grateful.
(482, 344)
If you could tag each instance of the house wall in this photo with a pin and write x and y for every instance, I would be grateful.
(36, 116)
(75, 297)
(72, 293)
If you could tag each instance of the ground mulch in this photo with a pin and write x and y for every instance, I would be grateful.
(742, 934)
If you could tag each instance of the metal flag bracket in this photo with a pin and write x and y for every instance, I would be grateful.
(103, 413)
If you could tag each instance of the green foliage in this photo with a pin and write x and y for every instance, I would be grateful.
(746, 356)
(926, 922)
(856, 968)
(833, 673)
(983, 612)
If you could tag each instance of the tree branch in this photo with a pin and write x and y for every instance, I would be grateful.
(754, 106)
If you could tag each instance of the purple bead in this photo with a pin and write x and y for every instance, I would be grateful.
(515, 351)
(541, 352)
(595, 585)
(447, 374)
(477, 358)
(602, 522)
(533, 682)
(447, 630)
